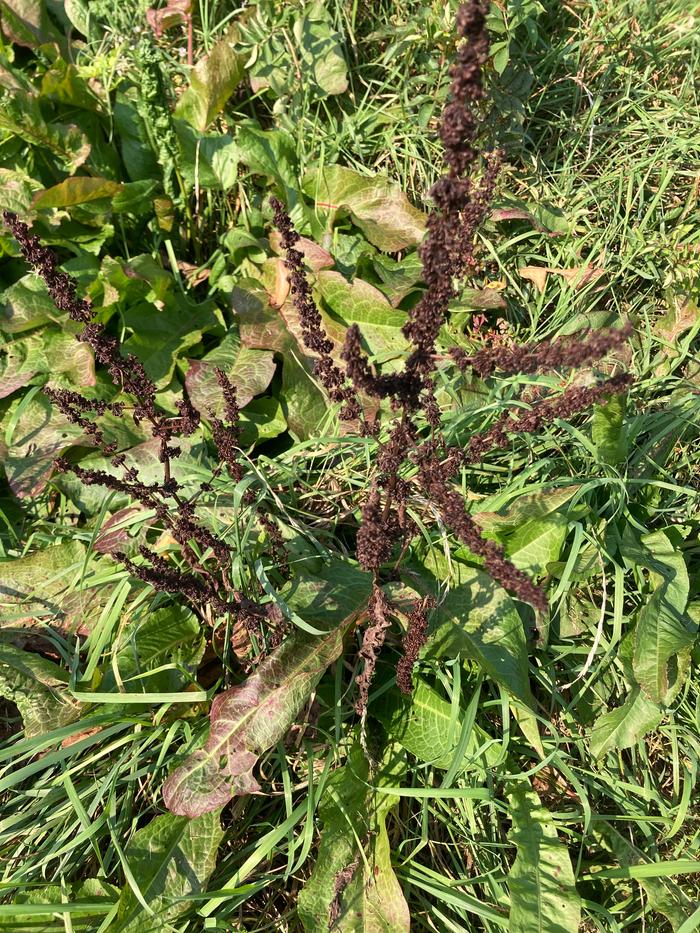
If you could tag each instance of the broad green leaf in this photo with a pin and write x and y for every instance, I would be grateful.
(78, 189)
(372, 901)
(35, 434)
(160, 336)
(170, 636)
(663, 628)
(261, 420)
(37, 584)
(137, 156)
(47, 352)
(94, 895)
(493, 515)
(268, 152)
(16, 192)
(625, 726)
(64, 83)
(189, 469)
(212, 81)
(27, 304)
(26, 22)
(20, 115)
(608, 430)
(541, 882)
(318, 47)
(263, 328)
(421, 724)
(360, 303)
(477, 619)
(533, 546)
(171, 860)
(207, 161)
(39, 688)
(250, 371)
(248, 719)
(379, 208)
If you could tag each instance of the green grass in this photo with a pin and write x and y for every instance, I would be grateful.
(597, 110)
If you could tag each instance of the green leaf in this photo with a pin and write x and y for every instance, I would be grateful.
(166, 637)
(478, 619)
(541, 882)
(250, 371)
(372, 901)
(212, 81)
(21, 116)
(360, 303)
(663, 627)
(39, 688)
(64, 83)
(318, 47)
(171, 860)
(27, 304)
(35, 434)
(94, 895)
(48, 352)
(268, 152)
(248, 719)
(608, 430)
(26, 22)
(16, 192)
(533, 546)
(379, 208)
(261, 420)
(37, 583)
(493, 515)
(79, 189)
(625, 726)
(160, 336)
(188, 469)
(421, 724)
(209, 161)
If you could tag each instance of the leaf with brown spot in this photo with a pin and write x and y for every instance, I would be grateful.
(576, 277)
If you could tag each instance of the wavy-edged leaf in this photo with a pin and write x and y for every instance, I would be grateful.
(27, 304)
(39, 688)
(79, 189)
(424, 725)
(663, 628)
(171, 860)
(625, 726)
(169, 640)
(20, 114)
(478, 619)
(250, 371)
(248, 719)
(212, 81)
(541, 882)
(369, 898)
(379, 208)
(16, 192)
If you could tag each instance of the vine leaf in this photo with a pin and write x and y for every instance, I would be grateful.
(541, 882)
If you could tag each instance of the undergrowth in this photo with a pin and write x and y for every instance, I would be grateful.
(350, 453)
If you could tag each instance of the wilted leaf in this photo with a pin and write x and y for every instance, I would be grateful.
(79, 189)
(172, 14)
(541, 881)
(663, 628)
(576, 277)
(250, 371)
(39, 688)
(171, 860)
(21, 115)
(524, 508)
(625, 726)
(379, 208)
(212, 81)
(361, 895)
(248, 719)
